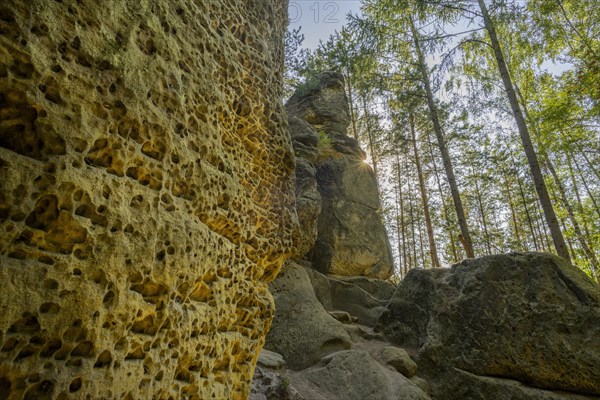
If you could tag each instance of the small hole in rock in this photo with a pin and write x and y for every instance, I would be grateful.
(75, 385)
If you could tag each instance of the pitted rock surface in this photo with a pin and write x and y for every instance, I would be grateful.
(146, 196)
(335, 184)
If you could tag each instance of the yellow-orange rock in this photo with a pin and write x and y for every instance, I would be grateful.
(146, 196)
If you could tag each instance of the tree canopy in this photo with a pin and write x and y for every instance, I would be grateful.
(481, 120)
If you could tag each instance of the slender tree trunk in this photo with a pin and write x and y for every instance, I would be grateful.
(514, 221)
(576, 227)
(570, 156)
(527, 213)
(371, 139)
(435, 262)
(512, 210)
(582, 152)
(412, 218)
(580, 208)
(483, 219)
(403, 227)
(458, 206)
(351, 104)
(584, 40)
(539, 231)
(421, 244)
(542, 228)
(589, 163)
(569, 242)
(538, 178)
(587, 190)
(398, 232)
(494, 224)
(444, 206)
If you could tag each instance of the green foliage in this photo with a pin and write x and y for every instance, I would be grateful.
(310, 84)
(551, 49)
(294, 60)
(324, 142)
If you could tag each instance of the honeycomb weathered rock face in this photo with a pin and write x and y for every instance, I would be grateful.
(146, 195)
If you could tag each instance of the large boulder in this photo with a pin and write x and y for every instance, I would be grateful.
(356, 301)
(302, 331)
(351, 239)
(456, 384)
(268, 384)
(529, 317)
(355, 375)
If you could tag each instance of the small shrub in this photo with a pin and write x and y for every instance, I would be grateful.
(324, 140)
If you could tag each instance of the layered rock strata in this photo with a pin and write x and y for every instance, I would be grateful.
(336, 185)
(146, 196)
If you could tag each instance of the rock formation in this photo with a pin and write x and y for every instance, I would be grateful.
(303, 332)
(323, 323)
(146, 197)
(308, 199)
(518, 326)
(531, 318)
(329, 353)
(348, 238)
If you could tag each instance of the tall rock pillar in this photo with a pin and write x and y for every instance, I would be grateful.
(338, 198)
(146, 196)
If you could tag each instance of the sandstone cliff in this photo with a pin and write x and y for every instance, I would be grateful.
(146, 196)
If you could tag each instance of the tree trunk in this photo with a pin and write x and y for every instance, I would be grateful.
(401, 222)
(421, 244)
(527, 213)
(538, 178)
(576, 227)
(587, 189)
(512, 210)
(542, 229)
(589, 163)
(351, 104)
(412, 218)
(398, 233)
(435, 262)
(441, 139)
(580, 208)
(444, 206)
(483, 219)
(569, 243)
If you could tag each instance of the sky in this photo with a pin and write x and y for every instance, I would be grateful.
(320, 18)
